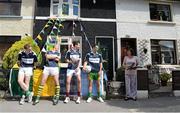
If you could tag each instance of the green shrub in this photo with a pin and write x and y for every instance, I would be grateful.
(165, 76)
(11, 55)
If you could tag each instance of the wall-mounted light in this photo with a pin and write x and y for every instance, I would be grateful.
(94, 1)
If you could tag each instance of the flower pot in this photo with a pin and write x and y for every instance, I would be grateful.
(163, 83)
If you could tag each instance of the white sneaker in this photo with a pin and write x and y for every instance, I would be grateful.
(89, 100)
(78, 101)
(67, 99)
(22, 100)
(100, 99)
(30, 97)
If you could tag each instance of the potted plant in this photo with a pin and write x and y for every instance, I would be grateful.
(164, 78)
(120, 74)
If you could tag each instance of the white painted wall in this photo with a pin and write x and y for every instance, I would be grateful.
(133, 18)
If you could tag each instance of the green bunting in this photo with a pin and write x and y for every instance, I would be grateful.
(50, 22)
(34, 42)
(52, 33)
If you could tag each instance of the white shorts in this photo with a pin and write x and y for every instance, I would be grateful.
(51, 71)
(71, 72)
(25, 71)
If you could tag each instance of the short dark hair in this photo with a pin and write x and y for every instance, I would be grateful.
(94, 45)
(131, 50)
(75, 43)
(27, 46)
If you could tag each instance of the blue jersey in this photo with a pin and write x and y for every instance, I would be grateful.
(27, 60)
(94, 60)
(52, 62)
(74, 56)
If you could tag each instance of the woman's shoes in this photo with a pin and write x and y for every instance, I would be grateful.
(126, 98)
(134, 99)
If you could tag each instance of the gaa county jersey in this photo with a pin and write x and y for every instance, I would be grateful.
(52, 62)
(94, 60)
(27, 60)
(74, 56)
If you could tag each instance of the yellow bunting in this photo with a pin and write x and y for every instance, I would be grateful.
(39, 37)
(46, 25)
(60, 25)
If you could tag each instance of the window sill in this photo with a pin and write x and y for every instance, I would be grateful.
(9, 16)
(161, 22)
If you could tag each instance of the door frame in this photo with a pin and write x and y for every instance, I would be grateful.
(111, 37)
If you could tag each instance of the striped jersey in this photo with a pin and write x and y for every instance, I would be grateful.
(94, 60)
(52, 62)
(27, 59)
(74, 56)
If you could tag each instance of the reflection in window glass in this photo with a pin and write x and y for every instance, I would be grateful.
(65, 0)
(64, 49)
(160, 12)
(64, 40)
(65, 9)
(75, 10)
(163, 52)
(10, 0)
(76, 2)
(10, 9)
(55, 9)
(55, 1)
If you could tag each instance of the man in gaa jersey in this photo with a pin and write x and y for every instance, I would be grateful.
(94, 59)
(26, 60)
(73, 58)
(51, 68)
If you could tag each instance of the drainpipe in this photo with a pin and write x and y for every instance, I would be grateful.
(35, 13)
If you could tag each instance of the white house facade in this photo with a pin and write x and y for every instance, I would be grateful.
(151, 28)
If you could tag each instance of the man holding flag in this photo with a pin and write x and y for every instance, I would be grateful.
(51, 68)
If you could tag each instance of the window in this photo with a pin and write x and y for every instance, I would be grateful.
(10, 7)
(160, 12)
(163, 52)
(65, 8)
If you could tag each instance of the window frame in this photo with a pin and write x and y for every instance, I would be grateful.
(162, 3)
(11, 2)
(175, 58)
(71, 13)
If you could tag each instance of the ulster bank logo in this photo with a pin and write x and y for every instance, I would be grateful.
(94, 60)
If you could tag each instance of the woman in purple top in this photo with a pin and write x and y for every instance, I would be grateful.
(130, 63)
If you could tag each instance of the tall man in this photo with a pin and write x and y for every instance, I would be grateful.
(73, 58)
(26, 60)
(94, 59)
(51, 68)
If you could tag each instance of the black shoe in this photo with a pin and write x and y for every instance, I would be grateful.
(55, 101)
(126, 98)
(35, 102)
